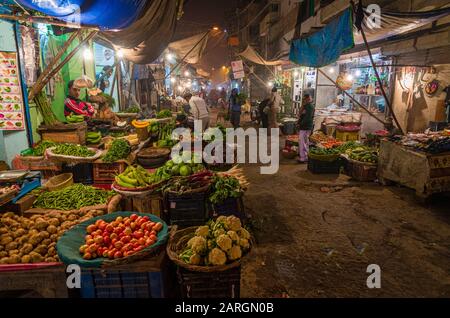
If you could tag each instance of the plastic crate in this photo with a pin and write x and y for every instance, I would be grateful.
(82, 172)
(105, 172)
(145, 279)
(325, 167)
(186, 210)
(231, 206)
(226, 284)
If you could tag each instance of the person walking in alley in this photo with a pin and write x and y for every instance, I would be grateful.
(275, 102)
(198, 109)
(306, 123)
(235, 109)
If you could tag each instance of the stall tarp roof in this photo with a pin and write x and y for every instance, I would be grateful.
(145, 40)
(107, 15)
(196, 43)
(394, 23)
(250, 54)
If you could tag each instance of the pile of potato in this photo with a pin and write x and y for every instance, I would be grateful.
(33, 240)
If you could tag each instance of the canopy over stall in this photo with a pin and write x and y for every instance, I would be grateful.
(108, 15)
(250, 54)
(141, 28)
(191, 48)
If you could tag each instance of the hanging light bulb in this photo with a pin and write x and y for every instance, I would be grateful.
(296, 73)
(358, 73)
(349, 77)
(169, 57)
(172, 80)
(87, 54)
(270, 84)
(120, 53)
(331, 70)
(187, 73)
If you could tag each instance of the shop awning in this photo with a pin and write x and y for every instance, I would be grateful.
(191, 48)
(250, 54)
(145, 40)
(107, 15)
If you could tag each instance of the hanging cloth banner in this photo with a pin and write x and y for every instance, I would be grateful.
(325, 46)
(253, 56)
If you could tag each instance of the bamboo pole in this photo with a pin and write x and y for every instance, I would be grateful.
(64, 62)
(45, 20)
(51, 64)
(351, 97)
(377, 75)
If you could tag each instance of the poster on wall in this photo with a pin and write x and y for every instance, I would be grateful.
(103, 57)
(11, 101)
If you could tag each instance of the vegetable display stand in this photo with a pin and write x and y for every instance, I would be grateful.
(148, 278)
(105, 172)
(345, 134)
(231, 206)
(82, 172)
(425, 173)
(325, 167)
(33, 280)
(69, 133)
(187, 209)
(361, 171)
(40, 164)
(225, 284)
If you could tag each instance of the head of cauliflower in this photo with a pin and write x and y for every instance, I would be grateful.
(197, 244)
(233, 223)
(224, 242)
(217, 257)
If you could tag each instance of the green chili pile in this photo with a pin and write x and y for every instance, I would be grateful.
(120, 149)
(73, 198)
(73, 150)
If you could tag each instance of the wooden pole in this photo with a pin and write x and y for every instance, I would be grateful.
(64, 62)
(351, 97)
(52, 63)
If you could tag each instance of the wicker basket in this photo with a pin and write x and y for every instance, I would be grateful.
(59, 182)
(177, 243)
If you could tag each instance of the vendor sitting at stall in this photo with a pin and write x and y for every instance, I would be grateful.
(73, 105)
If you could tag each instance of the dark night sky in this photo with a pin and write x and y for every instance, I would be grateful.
(199, 15)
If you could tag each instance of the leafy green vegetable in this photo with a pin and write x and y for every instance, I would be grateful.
(120, 149)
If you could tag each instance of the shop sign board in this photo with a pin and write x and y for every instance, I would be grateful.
(11, 99)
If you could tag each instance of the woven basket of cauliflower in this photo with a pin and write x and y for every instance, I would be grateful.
(217, 246)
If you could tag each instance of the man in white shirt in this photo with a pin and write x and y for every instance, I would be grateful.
(199, 110)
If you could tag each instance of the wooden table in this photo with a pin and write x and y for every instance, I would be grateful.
(426, 173)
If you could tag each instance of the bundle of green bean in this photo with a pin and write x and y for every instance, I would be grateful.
(73, 150)
(73, 198)
(120, 149)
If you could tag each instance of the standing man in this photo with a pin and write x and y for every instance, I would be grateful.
(234, 109)
(306, 125)
(199, 110)
(275, 101)
(73, 104)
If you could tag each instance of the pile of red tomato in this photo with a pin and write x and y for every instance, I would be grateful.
(122, 237)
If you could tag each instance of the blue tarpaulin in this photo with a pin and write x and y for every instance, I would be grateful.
(107, 15)
(326, 45)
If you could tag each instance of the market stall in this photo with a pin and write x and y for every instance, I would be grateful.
(417, 161)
